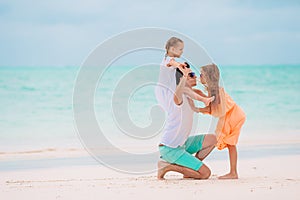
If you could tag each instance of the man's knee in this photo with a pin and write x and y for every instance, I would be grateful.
(204, 172)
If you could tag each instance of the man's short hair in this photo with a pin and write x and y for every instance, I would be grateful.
(179, 74)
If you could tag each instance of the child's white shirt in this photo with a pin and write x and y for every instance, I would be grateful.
(166, 86)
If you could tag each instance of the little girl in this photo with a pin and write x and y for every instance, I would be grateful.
(231, 116)
(167, 76)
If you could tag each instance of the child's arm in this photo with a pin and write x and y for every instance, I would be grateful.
(174, 63)
(194, 95)
(205, 110)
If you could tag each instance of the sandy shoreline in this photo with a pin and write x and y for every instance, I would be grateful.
(266, 176)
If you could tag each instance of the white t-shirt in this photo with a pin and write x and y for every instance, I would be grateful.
(166, 85)
(178, 124)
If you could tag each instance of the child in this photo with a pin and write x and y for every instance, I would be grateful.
(167, 76)
(231, 116)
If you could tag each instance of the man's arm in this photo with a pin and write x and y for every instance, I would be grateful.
(180, 90)
(180, 87)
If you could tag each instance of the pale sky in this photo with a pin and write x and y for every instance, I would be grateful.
(64, 32)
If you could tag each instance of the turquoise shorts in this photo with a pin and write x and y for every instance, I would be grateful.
(183, 155)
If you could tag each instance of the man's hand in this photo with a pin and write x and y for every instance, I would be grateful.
(185, 71)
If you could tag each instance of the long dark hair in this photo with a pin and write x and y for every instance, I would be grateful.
(212, 76)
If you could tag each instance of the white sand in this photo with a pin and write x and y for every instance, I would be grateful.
(264, 178)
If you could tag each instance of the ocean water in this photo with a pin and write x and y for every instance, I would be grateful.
(37, 112)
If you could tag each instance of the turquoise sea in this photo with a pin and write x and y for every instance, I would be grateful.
(36, 103)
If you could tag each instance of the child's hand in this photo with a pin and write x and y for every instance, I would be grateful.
(171, 62)
(182, 66)
(174, 63)
(185, 71)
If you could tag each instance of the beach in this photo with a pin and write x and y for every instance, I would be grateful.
(79, 110)
(270, 177)
(43, 155)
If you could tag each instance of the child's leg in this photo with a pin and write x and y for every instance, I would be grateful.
(193, 95)
(233, 164)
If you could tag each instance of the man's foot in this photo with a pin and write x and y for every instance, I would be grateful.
(163, 168)
(229, 176)
(207, 101)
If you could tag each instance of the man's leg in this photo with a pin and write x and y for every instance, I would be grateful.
(164, 167)
(208, 145)
(186, 163)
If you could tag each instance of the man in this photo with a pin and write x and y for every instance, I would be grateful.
(176, 146)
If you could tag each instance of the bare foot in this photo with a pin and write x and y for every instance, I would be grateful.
(207, 101)
(163, 168)
(229, 176)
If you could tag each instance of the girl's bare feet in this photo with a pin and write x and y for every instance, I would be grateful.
(208, 100)
(229, 176)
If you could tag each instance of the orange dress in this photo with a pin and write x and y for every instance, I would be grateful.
(231, 118)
